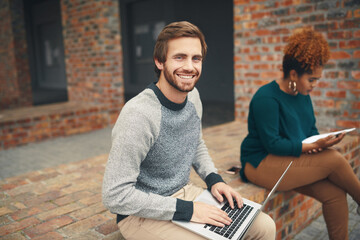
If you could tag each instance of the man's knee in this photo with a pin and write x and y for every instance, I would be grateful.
(263, 228)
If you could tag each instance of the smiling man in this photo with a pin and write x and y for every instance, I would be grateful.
(157, 140)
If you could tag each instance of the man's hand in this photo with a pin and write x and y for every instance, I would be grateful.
(219, 189)
(205, 213)
(209, 214)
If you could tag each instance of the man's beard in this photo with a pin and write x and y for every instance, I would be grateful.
(170, 78)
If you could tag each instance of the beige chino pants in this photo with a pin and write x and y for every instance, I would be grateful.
(148, 229)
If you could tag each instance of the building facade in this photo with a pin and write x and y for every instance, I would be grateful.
(89, 57)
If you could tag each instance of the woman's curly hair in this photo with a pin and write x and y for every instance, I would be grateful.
(305, 51)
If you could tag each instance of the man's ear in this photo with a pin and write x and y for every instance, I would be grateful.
(159, 65)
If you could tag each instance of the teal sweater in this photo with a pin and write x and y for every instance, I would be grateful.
(277, 123)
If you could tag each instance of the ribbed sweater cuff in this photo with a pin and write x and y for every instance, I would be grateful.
(212, 179)
(184, 210)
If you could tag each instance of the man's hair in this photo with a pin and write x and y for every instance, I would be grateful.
(305, 51)
(172, 31)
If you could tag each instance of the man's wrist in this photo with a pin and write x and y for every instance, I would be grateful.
(212, 179)
(184, 210)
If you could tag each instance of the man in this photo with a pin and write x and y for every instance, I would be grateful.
(155, 142)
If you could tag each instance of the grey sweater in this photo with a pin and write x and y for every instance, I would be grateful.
(155, 142)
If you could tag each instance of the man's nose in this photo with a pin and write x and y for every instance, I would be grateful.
(188, 65)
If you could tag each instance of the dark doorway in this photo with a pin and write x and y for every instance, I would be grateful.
(142, 20)
(46, 51)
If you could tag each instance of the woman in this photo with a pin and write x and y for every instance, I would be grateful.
(280, 117)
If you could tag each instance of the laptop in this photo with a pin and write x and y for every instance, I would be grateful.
(242, 218)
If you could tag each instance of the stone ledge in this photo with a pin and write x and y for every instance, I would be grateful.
(64, 202)
(33, 124)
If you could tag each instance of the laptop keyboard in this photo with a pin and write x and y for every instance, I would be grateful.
(238, 216)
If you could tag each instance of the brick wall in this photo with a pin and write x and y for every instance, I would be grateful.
(93, 59)
(93, 54)
(15, 83)
(54, 120)
(260, 31)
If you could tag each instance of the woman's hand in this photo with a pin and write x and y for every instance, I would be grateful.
(329, 141)
(322, 143)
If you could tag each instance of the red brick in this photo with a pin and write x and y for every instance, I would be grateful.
(325, 103)
(43, 198)
(348, 123)
(237, 58)
(107, 228)
(250, 25)
(242, 17)
(349, 84)
(12, 184)
(356, 54)
(253, 58)
(39, 176)
(288, 3)
(272, 75)
(56, 212)
(261, 82)
(355, 74)
(340, 35)
(260, 15)
(84, 225)
(253, 8)
(91, 210)
(15, 236)
(356, 105)
(340, 55)
(336, 94)
(73, 197)
(316, 93)
(49, 235)
(16, 226)
(91, 200)
(349, 44)
(346, 114)
(263, 66)
(272, 39)
(251, 75)
(357, 13)
(48, 226)
(27, 212)
(356, 93)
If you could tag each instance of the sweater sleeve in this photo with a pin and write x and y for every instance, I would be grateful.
(313, 130)
(203, 164)
(132, 137)
(267, 121)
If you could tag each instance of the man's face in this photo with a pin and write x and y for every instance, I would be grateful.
(182, 68)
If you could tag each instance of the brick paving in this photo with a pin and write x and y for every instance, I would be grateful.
(64, 201)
